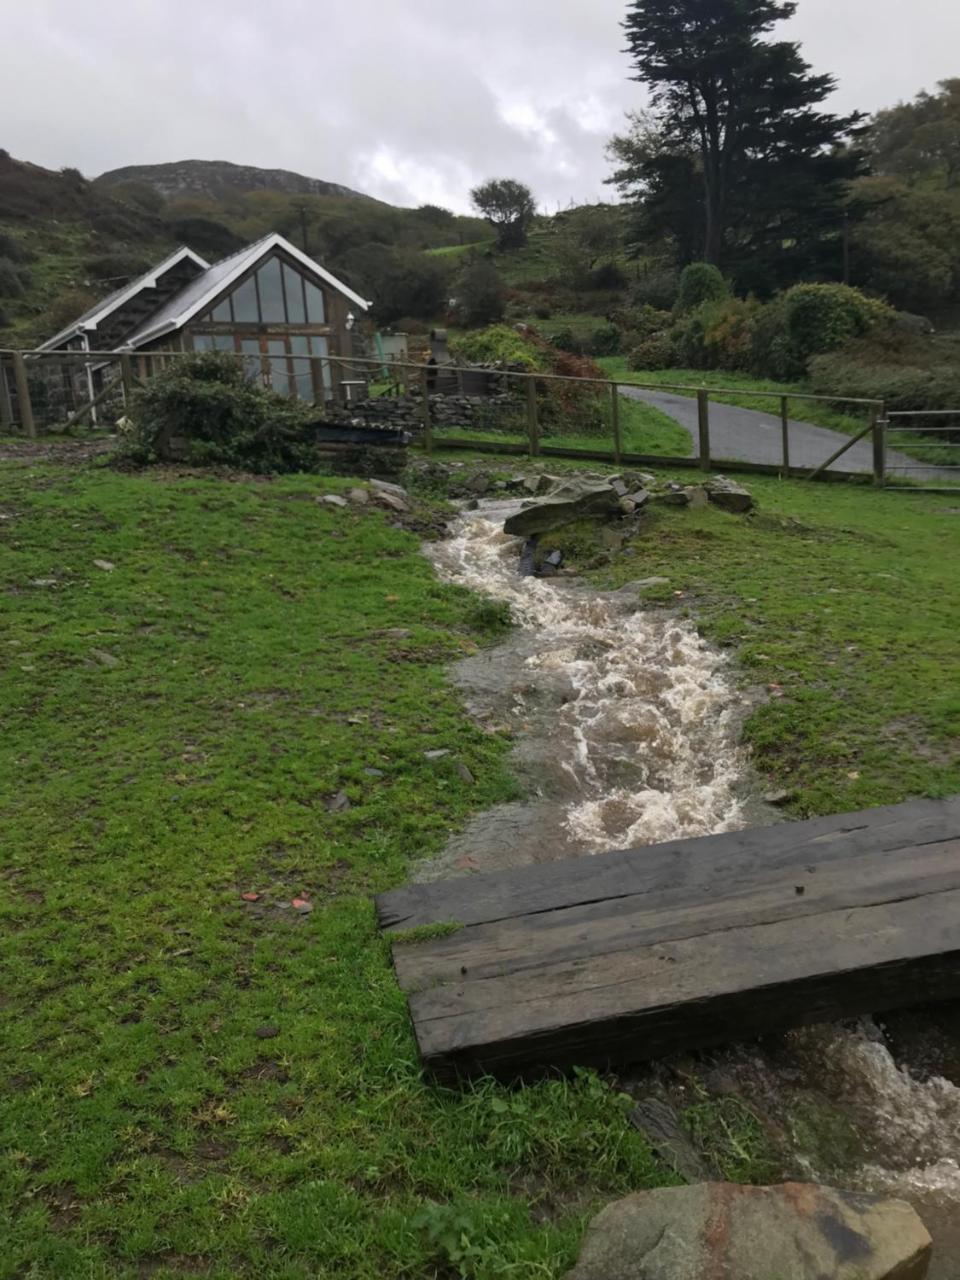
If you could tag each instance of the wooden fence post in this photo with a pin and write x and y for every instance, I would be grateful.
(126, 374)
(533, 426)
(703, 423)
(785, 431)
(880, 444)
(427, 425)
(6, 416)
(23, 395)
(615, 406)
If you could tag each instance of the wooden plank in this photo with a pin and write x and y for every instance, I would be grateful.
(621, 924)
(694, 992)
(695, 863)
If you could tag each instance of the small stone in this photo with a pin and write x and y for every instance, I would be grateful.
(384, 487)
(267, 1033)
(779, 797)
(303, 905)
(373, 773)
(106, 565)
(338, 803)
(104, 658)
(332, 500)
(435, 755)
(250, 897)
(696, 496)
(466, 775)
(44, 582)
(360, 496)
(728, 495)
(392, 501)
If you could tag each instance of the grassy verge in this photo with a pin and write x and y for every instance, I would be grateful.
(643, 429)
(839, 602)
(848, 420)
(194, 1083)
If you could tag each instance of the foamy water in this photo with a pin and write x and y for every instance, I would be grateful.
(649, 738)
(648, 743)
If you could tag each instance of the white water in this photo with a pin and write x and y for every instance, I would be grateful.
(649, 738)
(648, 742)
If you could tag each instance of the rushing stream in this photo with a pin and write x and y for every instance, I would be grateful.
(626, 727)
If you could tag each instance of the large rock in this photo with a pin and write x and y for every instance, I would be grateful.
(575, 500)
(719, 1231)
(729, 495)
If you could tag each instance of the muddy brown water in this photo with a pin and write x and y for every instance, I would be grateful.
(626, 727)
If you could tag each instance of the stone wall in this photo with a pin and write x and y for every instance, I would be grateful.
(406, 412)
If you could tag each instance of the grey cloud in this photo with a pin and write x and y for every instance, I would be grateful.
(410, 101)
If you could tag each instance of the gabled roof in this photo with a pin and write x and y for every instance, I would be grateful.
(89, 321)
(197, 296)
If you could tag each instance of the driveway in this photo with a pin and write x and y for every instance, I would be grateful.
(749, 435)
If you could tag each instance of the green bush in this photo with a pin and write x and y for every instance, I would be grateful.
(567, 340)
(822, 317)
(608, 275)
(654, 352)
(499, 345)
(221, 418)
(481, 295)
(604, 341)
(14, 279)
(116, 268)
(657, 288)
(700, 282)
(907, 372)
(717, 335)
(10, 247)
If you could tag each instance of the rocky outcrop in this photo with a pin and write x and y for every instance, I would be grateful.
(720, 1231)
(570, 502)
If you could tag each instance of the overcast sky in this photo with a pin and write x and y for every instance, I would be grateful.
(408, 100)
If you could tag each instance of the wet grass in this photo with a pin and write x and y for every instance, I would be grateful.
(843, 605)
(194, 1083)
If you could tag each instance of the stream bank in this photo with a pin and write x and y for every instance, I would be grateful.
(626, 727)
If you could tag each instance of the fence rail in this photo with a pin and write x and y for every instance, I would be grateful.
(529, 412)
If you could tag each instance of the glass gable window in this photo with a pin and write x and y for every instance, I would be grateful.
(245, 307)
(275, 294)
(270, 285)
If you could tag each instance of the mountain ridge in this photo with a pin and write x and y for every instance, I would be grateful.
(221, 179)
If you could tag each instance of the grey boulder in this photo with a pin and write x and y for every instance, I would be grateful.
(728, 495)
(720, 1231)
(576, 500)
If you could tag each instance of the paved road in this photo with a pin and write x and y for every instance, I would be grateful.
(748, 435)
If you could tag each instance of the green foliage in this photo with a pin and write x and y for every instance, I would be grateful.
(821, 317)
(224, 419)
(656, 351)
(907, 371)
(498, 345)
(657, 288)
(604, 341)
(566, 340)
(717, 335)
(771, 167)
(700, 282)
(116, 268)
(206, 236)
(13, 249)
(509, 207)
(480, 294)
(14, 279)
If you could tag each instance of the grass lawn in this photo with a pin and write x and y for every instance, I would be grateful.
(842, 603)
(197, 1084)
(849, 420)
(643, 429)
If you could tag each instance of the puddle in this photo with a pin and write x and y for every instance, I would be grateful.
(626, 728)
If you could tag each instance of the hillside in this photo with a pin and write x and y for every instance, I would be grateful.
(66, 241)
(221, 180)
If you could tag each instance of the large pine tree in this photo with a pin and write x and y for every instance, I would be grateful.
(744, 112)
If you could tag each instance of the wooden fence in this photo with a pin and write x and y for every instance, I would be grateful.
(547, 415)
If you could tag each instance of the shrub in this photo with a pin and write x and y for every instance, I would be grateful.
(608, 275)
(207, 402)
(810, 320)
(481, 296)
(605, 340)
(909, 373)
(717, 335)
(499, 345)
(657, 288)
(14, 279)
(567, 340)
(543, 311)
(206, 236)
(10, 247)
(654, 352)
(700, 282)
(116, 267)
